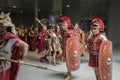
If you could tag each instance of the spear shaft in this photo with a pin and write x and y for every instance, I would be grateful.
(29, 64)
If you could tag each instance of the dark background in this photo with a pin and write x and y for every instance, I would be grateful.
(82, 11)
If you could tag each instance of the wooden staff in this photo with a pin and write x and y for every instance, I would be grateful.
(45, 29)
(29, 64)
(40, 23)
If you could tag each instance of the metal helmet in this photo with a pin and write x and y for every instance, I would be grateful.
(98, 21)
(66, 20)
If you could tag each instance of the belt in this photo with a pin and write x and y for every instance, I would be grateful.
(94, 52)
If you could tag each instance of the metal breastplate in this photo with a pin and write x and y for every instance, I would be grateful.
(94, 45)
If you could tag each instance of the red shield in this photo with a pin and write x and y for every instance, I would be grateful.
(105, 60)
(73, 53)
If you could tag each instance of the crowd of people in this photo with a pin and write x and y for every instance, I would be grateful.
(50, 43)
(50, 40)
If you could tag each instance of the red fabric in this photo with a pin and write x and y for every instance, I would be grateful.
(42, 43)
(5, 76)
(57, 33)
(14, 69)
(11, 36)
(94, 43)
(94, 46)
(69, 31)
(75, 32)
(46, 32)
(93, 62)
(32, 41)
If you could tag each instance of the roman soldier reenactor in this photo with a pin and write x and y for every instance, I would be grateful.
(80, 33)
(66, 33)
(10, 46)
(55, 46)
(94, 42)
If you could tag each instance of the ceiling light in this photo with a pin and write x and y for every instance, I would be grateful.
(21, 11)
(67, 5)
(14, 6)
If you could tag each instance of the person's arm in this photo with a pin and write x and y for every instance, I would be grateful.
(29, 34)
(23, 47)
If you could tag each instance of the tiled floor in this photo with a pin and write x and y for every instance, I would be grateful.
(84, 73)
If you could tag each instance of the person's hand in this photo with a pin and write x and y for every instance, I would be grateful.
(1, 46)
(20, 62)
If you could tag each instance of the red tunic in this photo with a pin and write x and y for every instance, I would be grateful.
(94, 46)
(12, 72)
(5, 76)
(42, 42)
(32, 40)
(76, 31)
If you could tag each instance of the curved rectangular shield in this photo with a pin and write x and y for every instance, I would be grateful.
(73, 53)
(105, 60)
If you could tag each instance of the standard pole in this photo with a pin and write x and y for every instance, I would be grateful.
(36, 15)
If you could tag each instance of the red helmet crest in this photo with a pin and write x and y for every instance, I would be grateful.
(66, 18)
(99, 21)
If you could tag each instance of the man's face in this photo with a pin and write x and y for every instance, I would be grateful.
(95, 30)
(64, 26)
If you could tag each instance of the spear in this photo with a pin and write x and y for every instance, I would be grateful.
(40, 22)
(29, 64)
(45, 28)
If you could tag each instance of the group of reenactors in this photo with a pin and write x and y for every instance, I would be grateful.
(65, 41)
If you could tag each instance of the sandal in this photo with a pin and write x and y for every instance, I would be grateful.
(45, 59)
(68, 77)
(58, 63)
(42, 60)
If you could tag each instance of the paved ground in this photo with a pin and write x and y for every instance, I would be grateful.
(84, 73)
